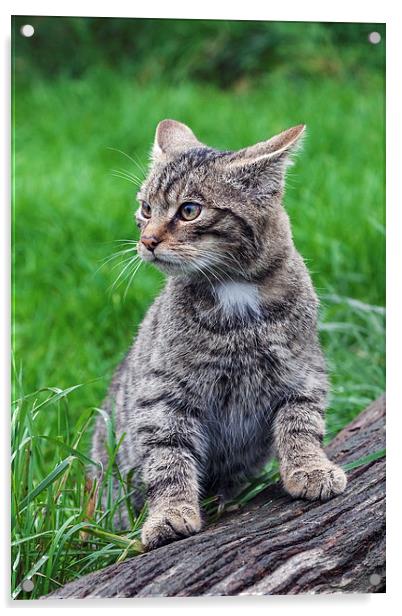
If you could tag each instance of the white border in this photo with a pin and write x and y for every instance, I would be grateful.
(308, 10)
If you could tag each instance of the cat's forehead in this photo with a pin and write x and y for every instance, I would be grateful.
(187, 176)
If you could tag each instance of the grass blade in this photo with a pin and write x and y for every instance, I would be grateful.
(55, 474)
(376, 455)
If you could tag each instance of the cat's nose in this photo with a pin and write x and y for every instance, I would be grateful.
(150, 242)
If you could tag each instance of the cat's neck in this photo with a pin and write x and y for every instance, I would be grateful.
(236, 294)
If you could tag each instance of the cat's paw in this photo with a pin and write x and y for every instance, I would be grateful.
(319, 481)
(168, 524)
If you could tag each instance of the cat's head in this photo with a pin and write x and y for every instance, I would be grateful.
(214, 214)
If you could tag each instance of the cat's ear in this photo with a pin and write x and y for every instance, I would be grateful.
(171, 139)
(263, 165)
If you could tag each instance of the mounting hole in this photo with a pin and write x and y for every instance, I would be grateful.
(27, 585)
(27, 30)
(374, 38)
(375, 579)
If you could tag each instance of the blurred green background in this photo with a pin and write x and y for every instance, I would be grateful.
(84, 88)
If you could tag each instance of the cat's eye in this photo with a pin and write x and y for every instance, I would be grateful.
(189, 211)
(146, 209)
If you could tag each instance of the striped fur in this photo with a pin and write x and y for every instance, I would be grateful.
(226, 370)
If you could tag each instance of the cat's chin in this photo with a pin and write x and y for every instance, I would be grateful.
(172, 267)
(177, 268)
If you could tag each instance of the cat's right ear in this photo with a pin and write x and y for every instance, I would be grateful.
(262, 167)
(171, 139)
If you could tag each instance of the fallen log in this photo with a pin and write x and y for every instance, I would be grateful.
(275, 545)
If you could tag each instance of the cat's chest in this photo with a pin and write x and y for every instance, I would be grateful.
(234, 387)
(226, 350)
(238, 299)
(237, 416)
(240, 381)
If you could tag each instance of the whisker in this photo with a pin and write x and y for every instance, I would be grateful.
(123, 173)
(117, 254)
(129, 174)
(136, 162)
(132, 245)
(106, 262)
(135, 270)
(214, 265)
(236, 261)
(122, 178)
(126, 176)
(214, 274)
(201, 271)
(127, 241)
(130, 262)
(221, 259)
(133, 259)
(222, 255)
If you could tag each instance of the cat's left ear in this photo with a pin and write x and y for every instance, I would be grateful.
(172, 138)
(263, 165)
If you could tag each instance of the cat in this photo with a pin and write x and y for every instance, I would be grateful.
(226, 370)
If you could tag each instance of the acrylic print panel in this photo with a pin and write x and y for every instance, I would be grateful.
(198, 327)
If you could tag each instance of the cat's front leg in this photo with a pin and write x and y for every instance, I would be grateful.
(305, 469)
(170, 470)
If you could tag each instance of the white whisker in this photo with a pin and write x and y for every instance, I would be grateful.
(127, 241)
(124, 175)
(135, 270)
(117, 254)
(135, 161)
(133, 259)
(130, 262)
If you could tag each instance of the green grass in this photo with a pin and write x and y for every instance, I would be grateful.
(55, 501)
(69, 326)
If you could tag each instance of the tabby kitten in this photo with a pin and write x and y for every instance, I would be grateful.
(226, 370)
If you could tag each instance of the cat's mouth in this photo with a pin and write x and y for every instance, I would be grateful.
(163, 260)
(173, 264)
(166, 263)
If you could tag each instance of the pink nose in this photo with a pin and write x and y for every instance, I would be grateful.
(150, 242)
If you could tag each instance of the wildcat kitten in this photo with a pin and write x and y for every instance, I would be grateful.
(226, 369)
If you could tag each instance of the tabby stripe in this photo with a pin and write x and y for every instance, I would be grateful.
(173, 443)
(215, 232)
(172, 402)
(247, 228)
(303, 432)
(305, 401)
(162, 178)
(171, 182)
(221, 326)
(274, 266)
(182, 390)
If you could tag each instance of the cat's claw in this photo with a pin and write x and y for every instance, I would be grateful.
(169, 524)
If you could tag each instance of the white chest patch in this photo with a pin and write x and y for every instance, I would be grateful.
(238, 297)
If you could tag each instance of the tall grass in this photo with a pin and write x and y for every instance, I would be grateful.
(59, 527)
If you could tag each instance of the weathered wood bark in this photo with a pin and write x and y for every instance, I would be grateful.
(276, 545)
